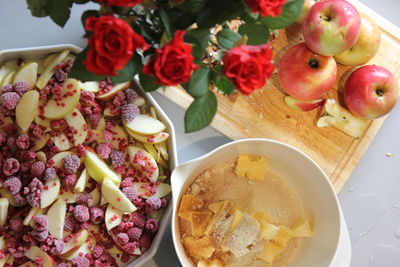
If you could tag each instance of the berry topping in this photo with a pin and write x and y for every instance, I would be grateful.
(16, 224)
(37, 168)
(81, 213)
(19, 200)
(40, 222)
(134, 233)
(69, 181)
(127, 182)
(22, 142)
(40, 235)
(138, 219)
(104, 150)
(10, 166)
(21, 87)
(58, 246)
(7, 88)
(84, 199)
(130, 95)
(13, 184)
(80, 261)
(9, 100)
(70, 223)
(129, 112)
(97, 251)
(50, 174)
(71, 163)
(153, 203)
(33, 192)
(96, 214)
(117, 158)
(122, 238)
(151, 226)
(130, 193)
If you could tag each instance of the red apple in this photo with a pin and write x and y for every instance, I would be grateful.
(306, 8)
(371, 92)
(331, 27)
(305, 75)
(301, 105)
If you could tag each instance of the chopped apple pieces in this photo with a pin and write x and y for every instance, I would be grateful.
(56, 217)
(26, 109)
(115, 197)
(27, 73)
(50, 68)
(3, 210)
(251, 169)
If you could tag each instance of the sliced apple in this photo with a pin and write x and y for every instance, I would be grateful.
(151, 139)
(32, 212)
(99, 131)
(57, 159)
(39, 120)
(41, 143)
(3, 210)
(50, 192)
(39, 212)
(90, 86)
(56, 217)
(27, 264)
(145, 125)
(27, 73)
(98, 169)
(3, 246)
(301, 105)
(162, 147)
(115, 197)
(137, 156)
(76, 120)
(4, 193)
(139, 101)
(26, 109)
(58, 108)
(4, 70)
(96, 196)
(119, 134)
(82, 181)
(114, 250)
(103, 200)
(50, 68)
(61, 142)
(338, 117)
(85, 248)
(35, 252)
(113, 91)
(68, 196)
(40, 155)
(142, 190)
(5, 122)
(39, 62)
(153, 152)
(49, 59)
(113, 217)
(7, 79)
(10, 260)
(75, 243)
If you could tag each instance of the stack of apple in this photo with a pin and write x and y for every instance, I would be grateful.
(142, 141)
(335, 32)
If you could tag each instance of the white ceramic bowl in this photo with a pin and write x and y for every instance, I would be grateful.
(310, 182)
(37, 52)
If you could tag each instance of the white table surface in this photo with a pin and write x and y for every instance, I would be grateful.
(370, 200)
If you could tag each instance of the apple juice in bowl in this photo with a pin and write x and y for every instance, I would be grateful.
(84, 167)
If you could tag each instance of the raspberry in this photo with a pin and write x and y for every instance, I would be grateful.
(119, 99)
(50, 174)
(130, 193)
(3, 138)
(127, 182)
(33, 192)
(40, 235)
(11, 143)
(104, 150)
(40, 222)
(97, 251)
(122, 238)
(81, 150)
(151, 226)
(145, 241)
(96, 214)
(28, 155)
(69, 181)
(84, 199)
(81, 213)
(138, 219)
(37, 169)
(13, 184)
(130, 95)
(7, 88)
(129, 112)
(153, 203)
(16, 225)
(21, 88)
(164, 202)
(87, 98)
(70, 223)
(10, 100)
(93, 120)
(19, 200)
(62, 264)
(60, 75)
(108, 136)
(58, 246)
(22, 141)
(81, 261)
(117, 158)
(10, 166)
(37, 132)
(71, 163)
(131, 246)
(134, 233)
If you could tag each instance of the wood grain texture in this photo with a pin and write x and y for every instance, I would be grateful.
(263, 114)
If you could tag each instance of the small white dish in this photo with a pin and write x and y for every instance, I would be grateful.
(311, 184)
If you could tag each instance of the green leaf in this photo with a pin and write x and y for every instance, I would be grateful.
(257, 34)
(80, 72)
(130, 70)
(89, 13)
(59, 11)
(199, 82)
(165, 21)
(200, 113)
(224, 84)
(148, 82)
(37, 7)
(227, 38)
(81, 1)
(219, 11)
(290, 12)
(199, 38)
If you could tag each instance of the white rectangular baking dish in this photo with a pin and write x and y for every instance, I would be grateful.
(42, 51)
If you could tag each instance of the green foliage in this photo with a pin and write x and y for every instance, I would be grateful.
(37, 7)
(59, 11)
(201, 112)
(227, 38)
(148, 83)
(199, 38)
(291, 11)
(89, 13)
(257, 34)
(199, 83)
(224, 84)
(217, 12)
(129, 71)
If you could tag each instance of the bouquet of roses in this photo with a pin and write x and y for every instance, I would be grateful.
(198, 44)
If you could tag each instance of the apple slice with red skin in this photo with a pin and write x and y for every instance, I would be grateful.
(76, 120)
(50, 192)
(303, 105)
(112, 217)
(119, 87)
(77, 240)
(34, 252)
(137, 156)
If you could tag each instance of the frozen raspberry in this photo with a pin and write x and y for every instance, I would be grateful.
(130, 95)
(129, 112)
(28, 155)
(97, 251)
(12, 142)
(37, 132)
(81, 261)
(34, 192)
(145, 241)
(117, 158)
(3, 138)
(13, 184)
(50, 174)
(37, 168)
(94, 119)
(96, 215)
(151, 226)
(40, 222)
(84, 199)
(69, 181)
(131, 247)
(10, 100)
(19, 200)
(130, 193)
(108, 136)
(138, 219)
(60, 75)
(134, 233)
(81, 213)
(16, 224)
(119, 99)
(10, 166)
(81, 150)
(127, 182)
(21, 88)
(71, 163)
(153, 203)
(122, 238)
(104, 150)
(70, 223)
(7, 88)
(62, 264)
(58, 246)
(40, 235)
(164, 202)
(22, 141)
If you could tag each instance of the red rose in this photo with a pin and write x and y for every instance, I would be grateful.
(248, 66)
(121, 3)
(111, 44)
(266, 7)
(172, 64)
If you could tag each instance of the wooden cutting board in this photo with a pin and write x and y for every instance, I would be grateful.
(263, 114)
